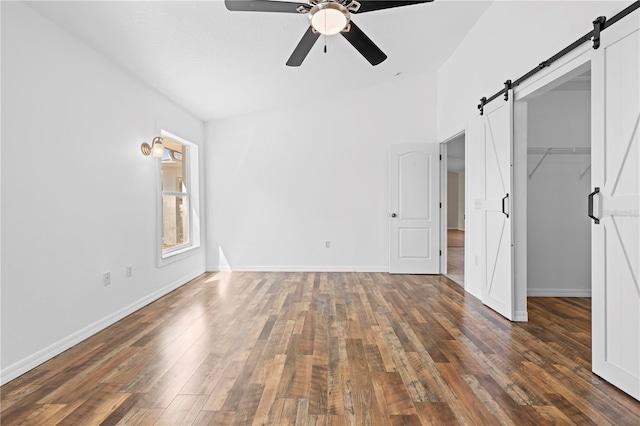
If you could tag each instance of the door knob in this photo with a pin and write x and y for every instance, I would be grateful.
(393, 215)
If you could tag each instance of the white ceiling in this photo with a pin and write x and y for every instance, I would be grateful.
(217, 63)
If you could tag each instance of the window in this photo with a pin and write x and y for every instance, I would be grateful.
(179, 196)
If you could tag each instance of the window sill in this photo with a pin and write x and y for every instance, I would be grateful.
(176, 255)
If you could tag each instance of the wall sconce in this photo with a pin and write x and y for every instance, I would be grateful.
(156, 148)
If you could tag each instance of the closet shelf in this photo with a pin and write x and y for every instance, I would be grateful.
(559, 150)
(555, 151)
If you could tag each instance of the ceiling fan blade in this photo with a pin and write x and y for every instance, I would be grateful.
(302, 49)
(264, 6)
(364, 45)
(371, 5)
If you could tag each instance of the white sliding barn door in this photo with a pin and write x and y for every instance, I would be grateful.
(414, 200)
(492, 137)
(616, 205)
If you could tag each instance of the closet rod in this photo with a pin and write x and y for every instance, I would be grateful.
(599, 25)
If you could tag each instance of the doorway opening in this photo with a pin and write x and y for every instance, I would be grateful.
(454, 209)
(558, 181)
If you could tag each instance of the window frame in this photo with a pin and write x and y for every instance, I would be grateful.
(192, 177)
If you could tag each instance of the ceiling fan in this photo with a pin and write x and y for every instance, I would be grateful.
(326, 17)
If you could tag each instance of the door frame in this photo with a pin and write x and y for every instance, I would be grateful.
(444, 187)
(564, 69)
(444, 203)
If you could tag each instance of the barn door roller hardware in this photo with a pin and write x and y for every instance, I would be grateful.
(599, 24)
(483, 102)
(507, 87)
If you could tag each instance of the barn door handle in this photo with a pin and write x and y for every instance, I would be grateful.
(503, 205)
(590, 212)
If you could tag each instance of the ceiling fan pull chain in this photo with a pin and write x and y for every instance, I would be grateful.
(325, 43)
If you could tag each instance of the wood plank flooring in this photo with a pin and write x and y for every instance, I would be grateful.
(455, 255)
(325, 349)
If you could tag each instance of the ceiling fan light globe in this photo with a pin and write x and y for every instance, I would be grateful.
(329, 17)
(329, 21)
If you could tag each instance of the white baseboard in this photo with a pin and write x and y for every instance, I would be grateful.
(475, 292)
(558, 292)
(521, 316)
(19, 368)
(299, 269)
(218, 269)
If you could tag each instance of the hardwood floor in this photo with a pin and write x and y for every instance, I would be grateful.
(455, 238)
(325, 348)
(455, 255)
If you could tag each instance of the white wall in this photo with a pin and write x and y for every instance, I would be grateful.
(78, 197)
(558, 229)
(282, 182)
(455, 201)
(461, 201)
(510, 39)
(452, 200)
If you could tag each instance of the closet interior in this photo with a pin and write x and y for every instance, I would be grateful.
(559, 178)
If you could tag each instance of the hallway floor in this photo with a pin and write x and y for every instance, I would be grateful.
(455, 256)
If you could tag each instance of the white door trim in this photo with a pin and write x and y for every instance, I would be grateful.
(562, 70)
(444, 222)
(444, 188)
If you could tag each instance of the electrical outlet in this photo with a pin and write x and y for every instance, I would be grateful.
(106, 278)
(129, 271)
(327, 244)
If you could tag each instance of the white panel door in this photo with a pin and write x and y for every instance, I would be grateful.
(414, 220)
(491, 137)
(616, 205)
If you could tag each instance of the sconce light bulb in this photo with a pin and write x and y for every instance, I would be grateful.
(158, 149)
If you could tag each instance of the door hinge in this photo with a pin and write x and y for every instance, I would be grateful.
(440, 252)
(440, 205)
(440, 157)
